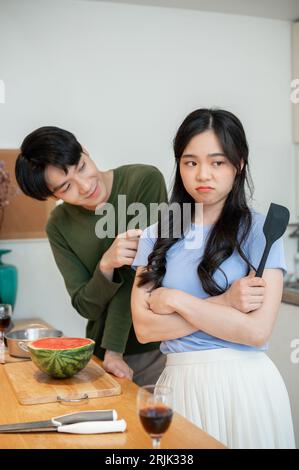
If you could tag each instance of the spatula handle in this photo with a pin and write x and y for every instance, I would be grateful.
(261, 266)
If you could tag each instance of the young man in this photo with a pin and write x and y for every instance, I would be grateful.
(96, 270)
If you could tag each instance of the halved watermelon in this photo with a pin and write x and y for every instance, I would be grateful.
(61, 357)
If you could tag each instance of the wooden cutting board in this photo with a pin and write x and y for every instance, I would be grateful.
(32, 386)
(8, 358)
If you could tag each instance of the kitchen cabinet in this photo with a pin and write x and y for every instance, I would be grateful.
(295, 76)
(284, 352)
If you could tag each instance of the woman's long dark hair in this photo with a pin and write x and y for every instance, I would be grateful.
(234, 222)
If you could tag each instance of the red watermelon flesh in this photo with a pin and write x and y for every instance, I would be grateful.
(60, 343)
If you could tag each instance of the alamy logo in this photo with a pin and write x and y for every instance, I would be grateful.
(138, 215)
(2, 92)
(295, 353)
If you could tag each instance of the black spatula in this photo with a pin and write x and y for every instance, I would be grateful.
(274, 227)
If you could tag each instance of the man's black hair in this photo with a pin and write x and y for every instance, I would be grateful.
(45, 146)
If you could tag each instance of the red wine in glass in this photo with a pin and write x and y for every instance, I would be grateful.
(156, 420)
(4, 322)
(5, 314)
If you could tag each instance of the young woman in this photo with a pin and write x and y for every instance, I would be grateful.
(213, 316)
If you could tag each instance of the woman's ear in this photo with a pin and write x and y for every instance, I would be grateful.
(242, 165)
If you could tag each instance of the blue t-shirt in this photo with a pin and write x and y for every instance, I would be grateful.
(182, 260)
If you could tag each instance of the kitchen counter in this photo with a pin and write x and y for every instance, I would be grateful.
(290, 295)
(182, 434)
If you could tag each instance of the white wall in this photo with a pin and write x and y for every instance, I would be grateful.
(123, 77)
(41, 290)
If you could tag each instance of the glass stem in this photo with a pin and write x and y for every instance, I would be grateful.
(156, 442)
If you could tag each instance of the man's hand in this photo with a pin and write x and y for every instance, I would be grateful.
(114, 364)
(121, 252)
(246, 294)
(159, 300)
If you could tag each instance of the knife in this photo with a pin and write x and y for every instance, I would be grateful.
(59, 422)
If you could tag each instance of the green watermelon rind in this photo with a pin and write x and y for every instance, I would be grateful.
(62, 363)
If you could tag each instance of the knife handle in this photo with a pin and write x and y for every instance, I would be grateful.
(94, 427)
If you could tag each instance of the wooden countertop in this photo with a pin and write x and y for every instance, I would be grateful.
(290, 296)
(181, 435)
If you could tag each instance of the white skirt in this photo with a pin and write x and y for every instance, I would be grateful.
(238, 397)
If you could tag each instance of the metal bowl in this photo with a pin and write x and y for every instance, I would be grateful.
(17, 340)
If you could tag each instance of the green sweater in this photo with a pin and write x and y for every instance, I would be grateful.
(77, 252)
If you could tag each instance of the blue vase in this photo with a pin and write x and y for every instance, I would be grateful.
(8, 281)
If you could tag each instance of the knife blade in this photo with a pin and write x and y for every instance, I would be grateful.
(54, 423)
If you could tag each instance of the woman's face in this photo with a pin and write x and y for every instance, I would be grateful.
(207, 174)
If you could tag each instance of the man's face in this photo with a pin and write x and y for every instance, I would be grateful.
(81, 186)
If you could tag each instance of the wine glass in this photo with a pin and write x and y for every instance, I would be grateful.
(154, 407)
(5, 314)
